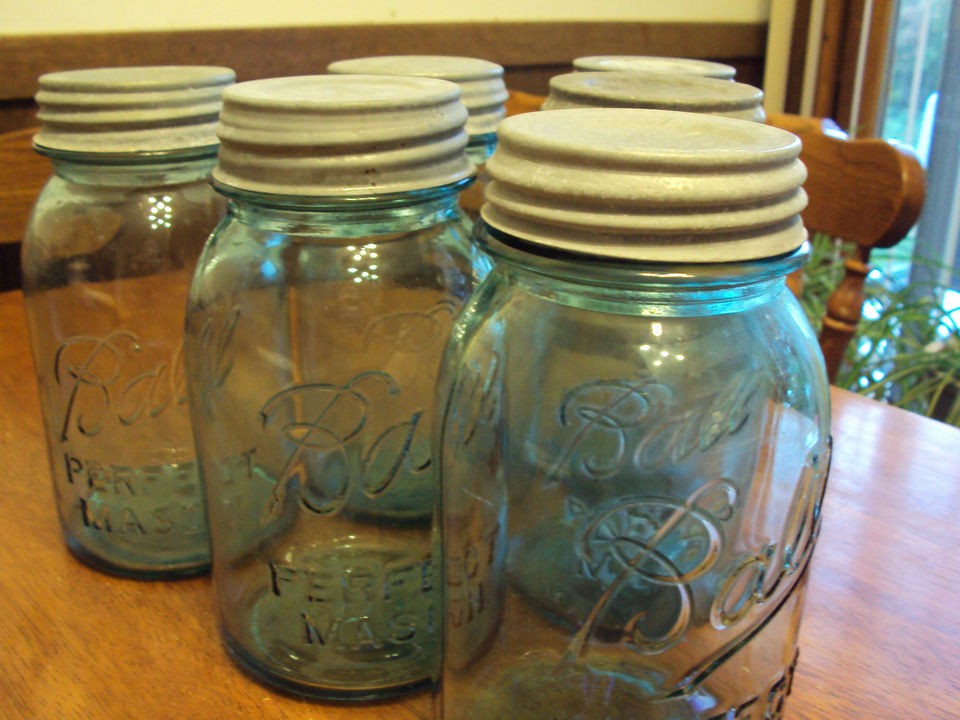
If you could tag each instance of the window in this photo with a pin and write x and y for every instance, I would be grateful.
(921, 110)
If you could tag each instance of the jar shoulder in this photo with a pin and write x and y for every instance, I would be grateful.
(768, 346)
(80, 233)
(239, 256)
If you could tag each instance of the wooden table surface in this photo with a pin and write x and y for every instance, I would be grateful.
(880, 637)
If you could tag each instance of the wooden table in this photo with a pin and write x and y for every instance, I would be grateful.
(879, 640)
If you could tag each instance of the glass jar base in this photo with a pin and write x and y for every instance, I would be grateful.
(553, 688)
(275, 681)
(137, 571)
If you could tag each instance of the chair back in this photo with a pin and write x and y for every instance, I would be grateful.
(866, 191)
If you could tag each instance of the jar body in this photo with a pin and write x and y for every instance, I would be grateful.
(107, 259)
(313, 345)
(632, 465)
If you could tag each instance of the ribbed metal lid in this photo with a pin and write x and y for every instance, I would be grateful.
(130, 110)
(655, 91)
(342, 135)
(647, 185)
(650, 63)
(482, 89)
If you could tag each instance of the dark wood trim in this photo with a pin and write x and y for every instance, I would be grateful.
(796, 64)
(874, 71)
(17, 114)
(833, 45)
(531, 52)
(837, 61)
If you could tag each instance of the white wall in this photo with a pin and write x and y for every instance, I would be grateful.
(70, 16)
(779, 34)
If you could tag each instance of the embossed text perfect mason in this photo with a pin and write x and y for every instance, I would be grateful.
(107, 260)
(635, 434)
(316, 323)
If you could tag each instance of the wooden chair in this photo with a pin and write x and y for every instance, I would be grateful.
(866, 191)
(521, 102)
(22, 174)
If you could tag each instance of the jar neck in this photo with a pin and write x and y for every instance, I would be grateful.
(480, 148)
(345, 217)
(133, 169)
(631, 287)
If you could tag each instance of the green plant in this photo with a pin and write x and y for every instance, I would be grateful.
(907, 348)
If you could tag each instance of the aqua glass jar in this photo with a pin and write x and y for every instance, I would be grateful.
(107, 259)
(482, 91)
(316, 323)
(655, 64)
(635, 437)
(655, 91)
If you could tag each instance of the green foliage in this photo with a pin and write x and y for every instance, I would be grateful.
(907, 348)
(821, 275)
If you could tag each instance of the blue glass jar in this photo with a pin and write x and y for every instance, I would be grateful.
(107, 259)
(635, 436)
(316, 323)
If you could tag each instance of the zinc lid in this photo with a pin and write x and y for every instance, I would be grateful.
(656, 91)
(482, 89)
(651, 63)
(131, 109)
(342, 135)
(651, 185)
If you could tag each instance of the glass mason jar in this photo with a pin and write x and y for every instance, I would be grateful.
(655, 91)
(482, 91)
(635, 435)
(655, 63)
(107, 259)
(316, 323)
